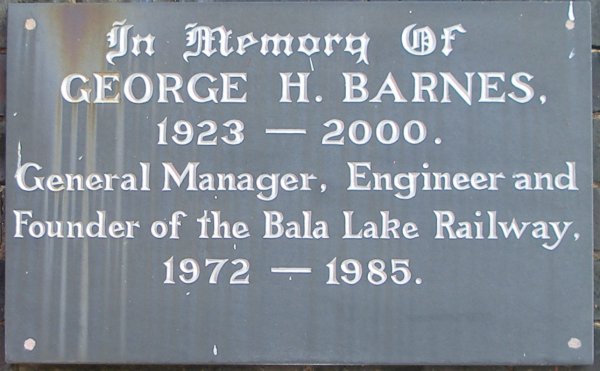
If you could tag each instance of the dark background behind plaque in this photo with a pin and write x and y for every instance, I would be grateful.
(596, 107)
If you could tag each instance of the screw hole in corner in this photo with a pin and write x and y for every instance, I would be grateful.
(574, 343)
(29, 344)
(30, 24)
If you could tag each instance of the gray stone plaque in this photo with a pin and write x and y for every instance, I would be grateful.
(299, 183)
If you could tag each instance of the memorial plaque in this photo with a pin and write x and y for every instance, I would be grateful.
(267, 183)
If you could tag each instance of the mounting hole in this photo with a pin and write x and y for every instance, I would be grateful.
(29, 344)
(570, 24)
(574, 343)
(30, 24)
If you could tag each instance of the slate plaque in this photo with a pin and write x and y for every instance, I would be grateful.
(299, 183)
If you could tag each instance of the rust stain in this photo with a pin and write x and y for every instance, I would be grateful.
(81, 33)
